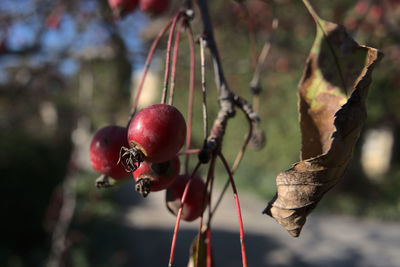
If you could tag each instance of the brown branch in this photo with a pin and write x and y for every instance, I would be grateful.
(226, 98)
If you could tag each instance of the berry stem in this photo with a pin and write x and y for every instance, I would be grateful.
(146, 69)
(227, 99)
(178, 217)
(255, 88)
(239, 213)
(221, 196)
(174, 61)
(208, 248)
(203, 86)
(209, 181)
(168, 57)
(191, 94)
(236, 163)
(240, 154)
(190, 152)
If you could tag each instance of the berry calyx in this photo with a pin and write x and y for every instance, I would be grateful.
(151, 177)
(155, 134)
(156, 7)
(193, 206)
(104, 151)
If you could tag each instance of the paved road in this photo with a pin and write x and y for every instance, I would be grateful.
(325, 240)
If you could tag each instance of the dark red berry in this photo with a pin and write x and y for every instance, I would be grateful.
(123, 7)
(158, 131)
(193, 206)
(156, 176)
(104, 151)
(156, 7)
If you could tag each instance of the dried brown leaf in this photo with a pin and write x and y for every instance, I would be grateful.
(332, 95)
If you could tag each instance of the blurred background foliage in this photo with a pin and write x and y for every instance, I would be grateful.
(68, 68)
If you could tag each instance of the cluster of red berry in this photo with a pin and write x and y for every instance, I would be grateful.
(123, 7)
(149, 148)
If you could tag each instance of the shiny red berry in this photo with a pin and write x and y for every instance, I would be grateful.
(158, 131)
(156, 176)
(156, 7)
(104, 151)
(193, 206)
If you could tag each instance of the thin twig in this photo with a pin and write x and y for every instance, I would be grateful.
(179, 215)
(240, 154)
(221, 196)
(239, 213)
(227, 99)
(311, 10)
(203, 86)
(235, 166)
(146, 68)
(208, 247)
(210, 178)
(225, 96)
(227, 108)
(174, 61)
(255, 87)
(168, 57)
(190, 152)
(191, 93)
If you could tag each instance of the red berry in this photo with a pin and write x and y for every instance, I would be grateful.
(154, 6)
(104, 151)
(158, 131)
(123, 7)
(193, 206)
(53, 20)
(156, 176)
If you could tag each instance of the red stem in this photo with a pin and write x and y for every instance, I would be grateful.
(168, 57)
(191, 93)
(238, 210)
(208, 247)
(190, 152)
(178, 217)
(235, 166)
(147, 66)
(174, 61)
(198, 241)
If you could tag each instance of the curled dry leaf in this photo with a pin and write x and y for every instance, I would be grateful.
(332, 95)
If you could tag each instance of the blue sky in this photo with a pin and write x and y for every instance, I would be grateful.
(75, 32)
